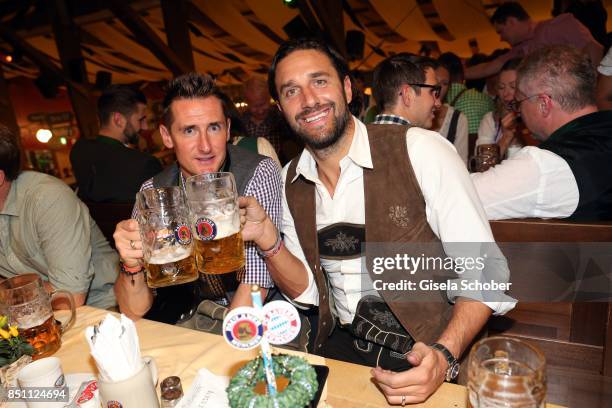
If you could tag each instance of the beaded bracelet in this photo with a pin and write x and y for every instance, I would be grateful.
(131, 271)
(269, 253)
(301, 390)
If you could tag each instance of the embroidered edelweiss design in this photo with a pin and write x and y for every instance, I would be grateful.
(399, 215)
(386, 318)
(342, 243)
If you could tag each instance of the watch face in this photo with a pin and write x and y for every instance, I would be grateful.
(453, 371)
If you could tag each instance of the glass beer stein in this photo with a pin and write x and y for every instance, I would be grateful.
(487, 156)
(27, 304)
(215, 219)
(504, 372)
(167, 246)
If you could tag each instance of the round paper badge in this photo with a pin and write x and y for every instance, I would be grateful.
(182, 234)
(242, 328)
(206, 229)
(281, 322)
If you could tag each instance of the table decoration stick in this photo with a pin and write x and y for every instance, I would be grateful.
(265, 346)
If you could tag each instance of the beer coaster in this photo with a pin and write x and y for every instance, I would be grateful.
(281, 322)
(182, 234)
(242, 328)
(206, 229)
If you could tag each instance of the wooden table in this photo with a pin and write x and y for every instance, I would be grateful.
(182, 352)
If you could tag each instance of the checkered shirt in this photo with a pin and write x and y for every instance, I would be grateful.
(266, 187)
(472, 103)
(272, 128)
(384, 119)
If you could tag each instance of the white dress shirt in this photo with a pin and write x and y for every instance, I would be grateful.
(532, 183)
(452, 207)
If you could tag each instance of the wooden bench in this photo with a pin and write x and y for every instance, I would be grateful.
(575, 335)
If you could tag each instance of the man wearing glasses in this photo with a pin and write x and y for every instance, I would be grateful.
(406, 90)
(569, 174)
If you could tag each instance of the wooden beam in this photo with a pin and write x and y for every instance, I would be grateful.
(37, 57)
(329, 16)
(68, 43)
(7, 113)
(148, 37)
(177, 30)
(7, 116)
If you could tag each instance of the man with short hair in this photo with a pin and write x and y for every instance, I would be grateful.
(569, 174)
(406, 91)
(195, 124)
(260, 120)
(514, 26)
(45, 229)
(355, 184)
(106, 168)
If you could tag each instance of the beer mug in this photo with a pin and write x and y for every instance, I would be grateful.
(163, 217)
(487, 156)
(215, 219)
(506, 372)
(26, 303)
(491, 149)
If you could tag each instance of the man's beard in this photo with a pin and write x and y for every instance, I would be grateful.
(327, 140)
(131, 136)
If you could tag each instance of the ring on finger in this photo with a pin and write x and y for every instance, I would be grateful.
(132, 244)
(403, 400)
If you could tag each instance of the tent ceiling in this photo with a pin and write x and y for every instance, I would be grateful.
(234, 38)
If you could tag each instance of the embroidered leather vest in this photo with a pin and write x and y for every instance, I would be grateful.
(394, 213)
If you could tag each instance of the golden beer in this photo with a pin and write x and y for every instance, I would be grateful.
(166, 272)
(27, 304)
(45, 338)
(220, 256)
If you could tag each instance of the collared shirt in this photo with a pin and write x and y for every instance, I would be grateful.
(532, 183)
(388, 119)
(453, 210)
(45, 229)
(273, 128)
(265, 186)
(109, 140)
(472, 103)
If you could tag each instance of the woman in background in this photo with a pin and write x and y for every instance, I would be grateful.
(504, 126)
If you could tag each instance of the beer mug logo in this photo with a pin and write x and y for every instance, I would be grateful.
(182, 234)
(242, 328)
(206, 229)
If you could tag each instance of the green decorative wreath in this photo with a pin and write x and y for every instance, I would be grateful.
(300, 391)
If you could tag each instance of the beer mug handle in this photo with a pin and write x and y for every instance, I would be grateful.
(472, 164)
(65, 326)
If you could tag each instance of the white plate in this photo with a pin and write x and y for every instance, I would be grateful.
(72, 380)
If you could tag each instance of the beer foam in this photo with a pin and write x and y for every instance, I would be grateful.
(227, 226)
(169, 254)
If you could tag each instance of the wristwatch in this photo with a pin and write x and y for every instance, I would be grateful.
(453, 365)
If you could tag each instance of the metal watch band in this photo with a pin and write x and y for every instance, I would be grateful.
(453, 365)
